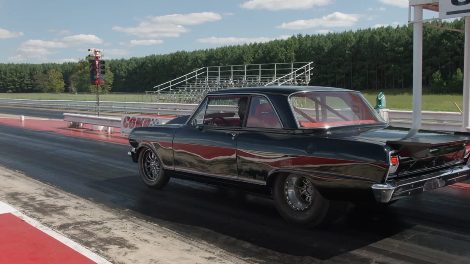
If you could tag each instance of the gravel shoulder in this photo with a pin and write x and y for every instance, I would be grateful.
(116, 235)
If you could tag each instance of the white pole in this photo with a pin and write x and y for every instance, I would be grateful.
(466, 76)
(417, 66)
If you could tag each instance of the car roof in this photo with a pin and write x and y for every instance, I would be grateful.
(280, 90)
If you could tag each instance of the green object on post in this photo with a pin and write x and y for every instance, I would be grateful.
(380, 102)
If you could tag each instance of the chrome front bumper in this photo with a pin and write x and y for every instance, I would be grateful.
(395, 189)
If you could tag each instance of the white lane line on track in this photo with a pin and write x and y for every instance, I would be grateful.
(6, 208)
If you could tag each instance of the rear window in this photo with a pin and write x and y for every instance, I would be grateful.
(332, 109)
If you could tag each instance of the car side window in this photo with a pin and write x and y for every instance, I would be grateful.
(262, 114)
(226, 111)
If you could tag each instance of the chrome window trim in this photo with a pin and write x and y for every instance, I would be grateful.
(238, 94)
(202, 104)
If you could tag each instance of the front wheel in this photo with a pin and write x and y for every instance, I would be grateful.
(151, 169)
(298, 201)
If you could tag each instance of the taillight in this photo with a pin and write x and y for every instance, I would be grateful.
(394, 163)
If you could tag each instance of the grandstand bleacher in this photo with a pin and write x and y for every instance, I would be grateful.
(192, 87)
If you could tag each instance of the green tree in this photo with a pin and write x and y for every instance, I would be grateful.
(80, 78)
(456, 82)
(378, 58)
(40, 81)
(437, 83)
(55, 81)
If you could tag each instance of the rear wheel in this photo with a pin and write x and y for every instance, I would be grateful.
(151, 169)
(298, 201)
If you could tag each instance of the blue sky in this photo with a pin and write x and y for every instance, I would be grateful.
(35, 31)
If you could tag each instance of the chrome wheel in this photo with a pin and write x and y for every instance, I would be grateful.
(298, 192)
(151, 166)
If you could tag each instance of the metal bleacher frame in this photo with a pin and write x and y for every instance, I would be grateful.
(193, 86)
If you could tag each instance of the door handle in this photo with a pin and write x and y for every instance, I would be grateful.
(234, 135)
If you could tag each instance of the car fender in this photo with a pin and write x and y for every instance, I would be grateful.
(155, 148)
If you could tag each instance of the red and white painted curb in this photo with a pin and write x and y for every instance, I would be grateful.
(25, 240)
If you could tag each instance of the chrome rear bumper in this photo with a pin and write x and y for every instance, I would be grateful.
(395, 189)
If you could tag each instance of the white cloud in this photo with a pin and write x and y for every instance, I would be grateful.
(394, 24)
(370, 9)
(324, 31)
(17, 58)
(39, 49)
(380, 25)
(115, 53)
(169, 25)
(275, 5)
(145, 42)
(68, 60)
(60, 32)
(36, 49)
(396, 3)
(6, 34)
(187, 19)
(148, 30)
(37, 43)
(83, 39)
(336, 19)
(236, 40)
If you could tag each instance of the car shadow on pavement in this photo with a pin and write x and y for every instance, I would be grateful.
(229, 219)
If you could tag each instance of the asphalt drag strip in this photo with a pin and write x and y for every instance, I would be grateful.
(231, 226)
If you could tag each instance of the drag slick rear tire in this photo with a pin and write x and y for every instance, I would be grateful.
(298, 201)
(151, 170)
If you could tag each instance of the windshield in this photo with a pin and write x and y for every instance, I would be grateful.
(332, 109)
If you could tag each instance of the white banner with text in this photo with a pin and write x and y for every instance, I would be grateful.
(129, 122)
(454, 8)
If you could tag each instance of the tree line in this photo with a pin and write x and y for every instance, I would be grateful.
(50, 77)
(366, 59)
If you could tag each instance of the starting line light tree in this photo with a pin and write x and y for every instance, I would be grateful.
(97, 67)
(97, 72)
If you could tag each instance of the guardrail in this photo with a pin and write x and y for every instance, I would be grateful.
(103, 122)
(126, 123)
(108, 121)
(431, 120)
(105, 106)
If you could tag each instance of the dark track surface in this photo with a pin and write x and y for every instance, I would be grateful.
(56, 114)
(430, 228)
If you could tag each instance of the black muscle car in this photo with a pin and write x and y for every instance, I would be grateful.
(305, 145)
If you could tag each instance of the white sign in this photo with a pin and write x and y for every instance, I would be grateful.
(454, 8)
(129, 122)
